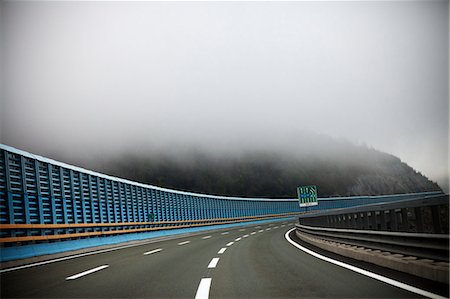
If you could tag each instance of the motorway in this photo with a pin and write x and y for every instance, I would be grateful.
(253, 261)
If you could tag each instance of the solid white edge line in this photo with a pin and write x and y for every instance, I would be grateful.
(185, 242)
(230, 243)
(222, 250)
(390, 281)
(86, 272)
(152, 251)
(213, 263)
(203, 289)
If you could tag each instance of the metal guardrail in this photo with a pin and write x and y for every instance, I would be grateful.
(428, 214)
(418, 227)
(430, 246)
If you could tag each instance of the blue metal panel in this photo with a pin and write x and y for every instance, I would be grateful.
(51, 194)
(128, 202)
(82, 202)
(9, 202)
(4, 213)
(72, 196)
(100, 198)
(63, 195)
(107, 200)
(122, 203)
(91, 199)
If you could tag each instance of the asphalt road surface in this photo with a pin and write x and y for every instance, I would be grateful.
(253, 261)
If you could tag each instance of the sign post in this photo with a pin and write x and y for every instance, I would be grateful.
(307, 196)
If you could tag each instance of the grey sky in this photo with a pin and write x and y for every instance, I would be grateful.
(96, 76)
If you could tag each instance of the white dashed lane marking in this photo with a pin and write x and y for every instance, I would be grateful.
(203, 289)
(184, 243)
(153, 251)
(222, 250)
(206, 237)
(87, 272)
(213, 263)
(231, 243)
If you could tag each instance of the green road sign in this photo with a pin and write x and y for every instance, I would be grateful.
(307, 196)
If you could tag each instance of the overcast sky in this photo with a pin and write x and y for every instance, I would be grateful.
(89, 77)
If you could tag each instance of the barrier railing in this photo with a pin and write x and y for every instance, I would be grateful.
(104, 229)
(408, 235)
(416, 227)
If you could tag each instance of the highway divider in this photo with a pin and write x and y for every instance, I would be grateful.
(409, 235)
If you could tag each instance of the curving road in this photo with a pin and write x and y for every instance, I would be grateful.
(247, 262)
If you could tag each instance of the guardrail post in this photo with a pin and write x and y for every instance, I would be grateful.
(393, 220)
(383, 220)
(436, 219)
(374, 220)
(405, 226)
(419, 219)
(366, 220)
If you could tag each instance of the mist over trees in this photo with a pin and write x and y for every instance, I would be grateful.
(337, 167)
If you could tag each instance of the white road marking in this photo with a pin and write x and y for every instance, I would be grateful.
(268, 228)
(245, 236)
(252, 233)
(283, 225)
(271, 224)
(258, 226)
(86, 272)
(222, 250)
(276, 227)
(203, 289)
(231, 243)
(206, 237)
(225, 233)
(242, 229)
(213, 263)
(261, 230)
(72, 257)
(363, 272)
(153, 251)
(185, 242)
(238, 239)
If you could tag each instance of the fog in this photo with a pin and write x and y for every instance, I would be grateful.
(84, 79)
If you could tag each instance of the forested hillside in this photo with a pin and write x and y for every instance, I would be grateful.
(338, 169)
